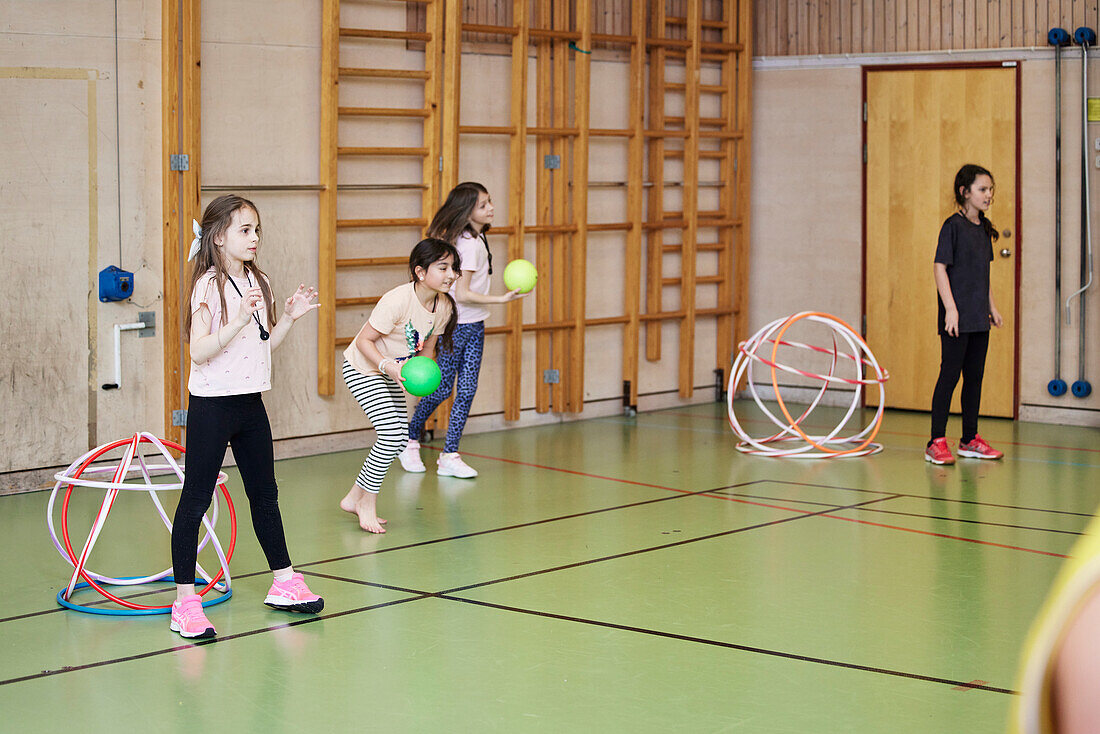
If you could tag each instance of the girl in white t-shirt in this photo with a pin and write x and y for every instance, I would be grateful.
(232, 331)
(406, 321)
(463, 219)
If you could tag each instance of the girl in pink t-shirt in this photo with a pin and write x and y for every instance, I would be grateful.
(232, 331)
(406, 321)
(464, 219)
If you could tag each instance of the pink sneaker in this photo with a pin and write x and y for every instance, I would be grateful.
(293, 595)
(410, 458)
(979, 449)
(188, 618)
(939, 453)
(452, 465)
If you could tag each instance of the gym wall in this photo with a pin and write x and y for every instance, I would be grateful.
(259, 127)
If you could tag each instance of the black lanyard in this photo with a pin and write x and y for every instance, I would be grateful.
(487, 251)
(264, 335)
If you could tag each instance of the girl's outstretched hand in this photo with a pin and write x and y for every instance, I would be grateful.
(301, 302)
(512, 295)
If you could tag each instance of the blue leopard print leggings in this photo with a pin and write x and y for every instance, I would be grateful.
(464, 360)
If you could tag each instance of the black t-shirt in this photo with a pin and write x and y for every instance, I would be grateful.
(966, 249)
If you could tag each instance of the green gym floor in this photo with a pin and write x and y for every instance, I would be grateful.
(613, 574)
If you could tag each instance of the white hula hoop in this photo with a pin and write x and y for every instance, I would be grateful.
(867, 372)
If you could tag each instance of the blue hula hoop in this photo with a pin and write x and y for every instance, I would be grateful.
(132, 612)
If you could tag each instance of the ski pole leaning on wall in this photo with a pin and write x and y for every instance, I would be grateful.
(1081, 388)
(1057, 37)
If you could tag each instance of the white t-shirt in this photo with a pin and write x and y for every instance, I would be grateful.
(475, 261)
(244, 364)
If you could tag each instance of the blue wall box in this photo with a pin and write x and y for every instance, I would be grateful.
(115, 284)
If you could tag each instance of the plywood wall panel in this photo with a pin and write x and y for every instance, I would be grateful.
(45, 201)
(811, 27)
(60, 227)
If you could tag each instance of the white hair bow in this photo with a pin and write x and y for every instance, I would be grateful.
(195, 242)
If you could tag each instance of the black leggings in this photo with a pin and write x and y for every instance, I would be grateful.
(963, 354)
(212, 423)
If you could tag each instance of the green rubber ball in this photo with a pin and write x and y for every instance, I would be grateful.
(520, 275)
(421, 376)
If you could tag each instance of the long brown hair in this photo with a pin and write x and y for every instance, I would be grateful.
(453, 218)
(216, 219)
(424, 253)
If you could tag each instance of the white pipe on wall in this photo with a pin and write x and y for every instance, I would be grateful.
(119, 328)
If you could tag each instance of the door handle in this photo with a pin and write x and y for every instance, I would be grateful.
(1006, 252)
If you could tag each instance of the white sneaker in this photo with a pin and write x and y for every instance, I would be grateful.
(452, 465)
(410, 458)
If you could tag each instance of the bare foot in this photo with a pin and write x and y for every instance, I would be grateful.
(352, 499)
(368, 518)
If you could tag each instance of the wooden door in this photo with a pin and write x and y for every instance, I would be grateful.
(922, 124)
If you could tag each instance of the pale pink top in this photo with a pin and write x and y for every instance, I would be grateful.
(244, 364)
(475, 261)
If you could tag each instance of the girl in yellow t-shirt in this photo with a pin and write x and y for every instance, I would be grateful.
(1061, 660)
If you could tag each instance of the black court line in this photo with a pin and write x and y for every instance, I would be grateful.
(447, 595)
(601, 559)
(298, 566)
(128, 597)
(443, 595)
(677, 494)
(665, 546)
(416, 595)
(933, 499)
(764, 421)
(420, 595)
(975, 522)
(202, 643)
(1043, 552)
(732, 645)
(907, 514)
(372, 584)
(616, 556)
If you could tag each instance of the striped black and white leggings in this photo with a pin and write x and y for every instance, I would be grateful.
(383, 401)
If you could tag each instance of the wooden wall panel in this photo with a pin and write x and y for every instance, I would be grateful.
(611, 17)
(812, 27)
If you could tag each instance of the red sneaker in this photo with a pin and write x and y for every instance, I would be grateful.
(939, 453)
(979, 449)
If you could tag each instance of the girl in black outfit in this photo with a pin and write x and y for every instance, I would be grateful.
(966, 310)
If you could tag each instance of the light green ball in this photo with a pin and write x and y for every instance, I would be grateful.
(520, 275)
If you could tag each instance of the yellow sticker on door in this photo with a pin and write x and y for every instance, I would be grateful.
(1094, 109)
